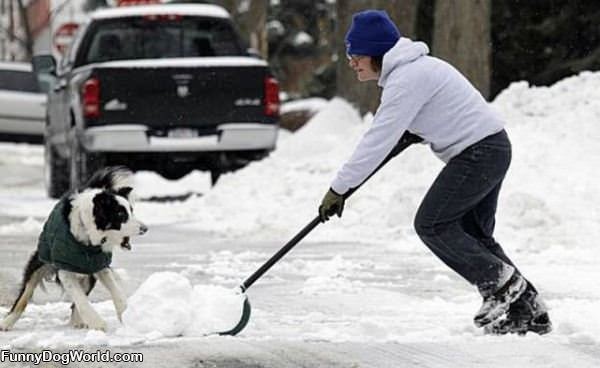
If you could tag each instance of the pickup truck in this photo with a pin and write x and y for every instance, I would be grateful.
(167, 88)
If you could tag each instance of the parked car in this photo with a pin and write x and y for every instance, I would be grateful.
(168, 88)
(22, 104)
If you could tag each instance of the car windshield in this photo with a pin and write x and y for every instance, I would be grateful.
(155, 37)
(16, 80)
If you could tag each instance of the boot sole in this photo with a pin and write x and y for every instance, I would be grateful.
(538, 328)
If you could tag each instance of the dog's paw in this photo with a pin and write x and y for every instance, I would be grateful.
(6, 324)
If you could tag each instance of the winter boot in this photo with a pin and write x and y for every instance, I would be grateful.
(497, 304)
(527, 314)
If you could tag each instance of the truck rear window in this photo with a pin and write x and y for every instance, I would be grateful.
(142, 38)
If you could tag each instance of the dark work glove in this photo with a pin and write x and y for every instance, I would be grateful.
(331, 204)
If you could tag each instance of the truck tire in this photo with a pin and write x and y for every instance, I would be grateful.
(56, 172)
(83, 164)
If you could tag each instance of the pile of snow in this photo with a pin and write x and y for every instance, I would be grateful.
(551, 187)
(167, 304)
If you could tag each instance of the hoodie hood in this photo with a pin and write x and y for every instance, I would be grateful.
(404, 51)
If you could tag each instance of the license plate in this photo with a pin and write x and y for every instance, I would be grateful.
(183, 133)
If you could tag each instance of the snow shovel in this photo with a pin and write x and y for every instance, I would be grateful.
(405, 141)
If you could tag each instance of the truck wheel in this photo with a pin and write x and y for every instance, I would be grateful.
(56, 172)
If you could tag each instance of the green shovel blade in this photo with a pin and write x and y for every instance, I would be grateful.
(246, 311)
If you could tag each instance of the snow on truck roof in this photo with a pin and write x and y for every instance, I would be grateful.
(206, 10)
(185, 62)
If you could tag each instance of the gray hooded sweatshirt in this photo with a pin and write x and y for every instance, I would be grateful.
(426, 96)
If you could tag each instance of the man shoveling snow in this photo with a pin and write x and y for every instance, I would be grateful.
(428, 97)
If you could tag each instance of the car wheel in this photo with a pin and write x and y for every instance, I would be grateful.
(56, 172)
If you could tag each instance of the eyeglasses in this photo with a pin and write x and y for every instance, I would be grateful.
(355, 58)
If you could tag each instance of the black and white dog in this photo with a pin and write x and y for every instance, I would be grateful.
(75, 247)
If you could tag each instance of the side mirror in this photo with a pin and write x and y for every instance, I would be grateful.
(44, 64)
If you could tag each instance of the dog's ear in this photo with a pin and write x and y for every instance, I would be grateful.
(124, 192)
(102, 204)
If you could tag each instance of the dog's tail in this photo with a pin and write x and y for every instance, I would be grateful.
(32, 276)
(113, 178)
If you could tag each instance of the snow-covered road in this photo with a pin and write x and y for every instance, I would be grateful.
(371, 307)
(358, 292)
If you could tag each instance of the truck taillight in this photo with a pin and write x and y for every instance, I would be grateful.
(91, 98)
(271, 97)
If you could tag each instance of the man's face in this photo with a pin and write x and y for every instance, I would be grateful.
(361, 64)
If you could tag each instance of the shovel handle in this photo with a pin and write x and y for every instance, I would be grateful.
(405, 141)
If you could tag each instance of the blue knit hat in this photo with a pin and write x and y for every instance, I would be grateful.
(372, 33)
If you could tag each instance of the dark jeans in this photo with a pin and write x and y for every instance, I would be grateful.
(457, 216)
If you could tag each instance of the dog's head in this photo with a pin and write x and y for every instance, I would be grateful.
(106, 217)
(114, 218)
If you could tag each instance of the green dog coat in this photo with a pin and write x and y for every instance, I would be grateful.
(58, 247)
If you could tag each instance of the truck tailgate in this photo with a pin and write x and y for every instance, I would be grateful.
(181, 95)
